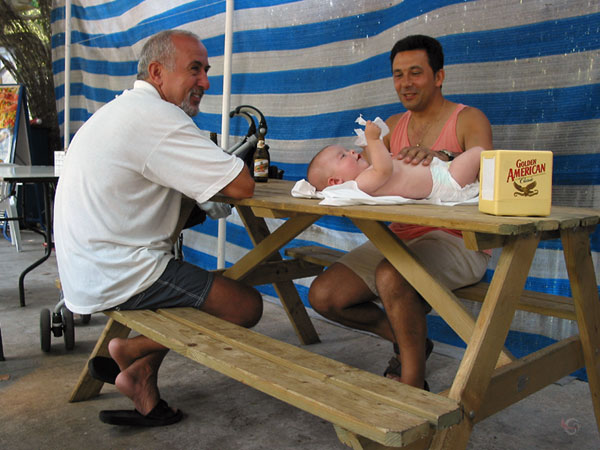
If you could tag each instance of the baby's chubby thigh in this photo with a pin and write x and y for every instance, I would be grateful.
(465, 167)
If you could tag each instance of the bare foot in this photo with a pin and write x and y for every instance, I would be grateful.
(139, 383)
(139, 359)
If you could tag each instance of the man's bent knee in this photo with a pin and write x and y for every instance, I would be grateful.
(234, 302)
(319, 295)
(254, 309)
(337, 289)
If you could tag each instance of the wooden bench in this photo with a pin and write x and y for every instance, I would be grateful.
(536, 302)
(365, 408)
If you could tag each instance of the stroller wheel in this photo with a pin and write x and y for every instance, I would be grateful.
(45, 329)
(68, 328)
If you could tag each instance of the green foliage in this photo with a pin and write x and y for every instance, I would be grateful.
(26, 35)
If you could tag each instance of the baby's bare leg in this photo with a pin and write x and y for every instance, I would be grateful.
(465, 167)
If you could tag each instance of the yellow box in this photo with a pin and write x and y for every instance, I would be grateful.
(515, 182)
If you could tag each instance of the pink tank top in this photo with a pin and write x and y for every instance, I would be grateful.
(447, 140)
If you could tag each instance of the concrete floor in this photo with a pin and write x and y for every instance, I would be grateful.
(221, 414)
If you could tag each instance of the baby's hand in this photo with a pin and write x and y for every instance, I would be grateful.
(372, 131)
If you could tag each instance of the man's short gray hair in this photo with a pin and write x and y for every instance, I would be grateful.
(160, 48)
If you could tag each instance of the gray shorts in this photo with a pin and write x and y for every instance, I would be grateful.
(181, 284)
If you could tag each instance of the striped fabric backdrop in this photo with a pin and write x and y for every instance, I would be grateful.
(313, 66)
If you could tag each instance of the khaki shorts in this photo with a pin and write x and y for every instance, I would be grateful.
(443, 254)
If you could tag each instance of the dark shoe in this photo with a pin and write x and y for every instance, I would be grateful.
(160, 415)
(104, 369)
(395, 368)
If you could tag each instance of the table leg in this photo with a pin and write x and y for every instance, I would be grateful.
(580, 267)
(493, 323)
(358, 442)
(443, 300)
(88, 387)
(48, 239)
(266, 248)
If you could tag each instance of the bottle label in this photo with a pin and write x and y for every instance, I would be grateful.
(261, 168)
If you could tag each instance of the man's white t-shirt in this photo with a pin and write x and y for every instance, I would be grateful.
(119, 196)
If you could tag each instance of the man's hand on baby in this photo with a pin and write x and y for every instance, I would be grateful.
(372, 131)
(416, 155)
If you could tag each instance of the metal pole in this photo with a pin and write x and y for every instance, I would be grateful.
(67, 102)
(229, 8)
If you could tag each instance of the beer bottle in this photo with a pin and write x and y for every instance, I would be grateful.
(261, 160)
(213, 137)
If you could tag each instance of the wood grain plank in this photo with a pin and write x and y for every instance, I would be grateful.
(439, 411)
(88, 387)
(378, 421)
(580, 267)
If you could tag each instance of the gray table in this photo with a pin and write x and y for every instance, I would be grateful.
(41, 175)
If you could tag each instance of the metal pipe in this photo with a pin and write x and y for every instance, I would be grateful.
(227, 57)
(67, 101)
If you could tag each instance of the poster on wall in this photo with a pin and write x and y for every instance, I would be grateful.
(14, 130)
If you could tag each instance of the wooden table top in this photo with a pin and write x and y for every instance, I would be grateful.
(275, 195)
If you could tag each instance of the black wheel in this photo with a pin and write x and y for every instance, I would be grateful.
(68, 328)
(85, 318)
(45, 329)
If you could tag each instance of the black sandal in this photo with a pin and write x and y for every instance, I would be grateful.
(160, 416)
(395, 367)
(104, 369)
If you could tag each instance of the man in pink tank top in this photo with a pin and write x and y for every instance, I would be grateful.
(348, 291)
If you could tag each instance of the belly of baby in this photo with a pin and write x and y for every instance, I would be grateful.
(408, 181)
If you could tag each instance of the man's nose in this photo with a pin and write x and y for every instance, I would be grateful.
(203, 81)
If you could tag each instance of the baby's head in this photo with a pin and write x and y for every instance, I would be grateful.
(334, 165)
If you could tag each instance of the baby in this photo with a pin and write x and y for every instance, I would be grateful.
(441, 180)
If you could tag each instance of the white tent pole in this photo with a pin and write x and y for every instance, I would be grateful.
(67, 101)
(229, 7)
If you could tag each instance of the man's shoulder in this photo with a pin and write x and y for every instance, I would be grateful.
(471, 113)
(393, 120)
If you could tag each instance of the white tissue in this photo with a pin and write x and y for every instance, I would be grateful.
(303, 189)
(361, 141)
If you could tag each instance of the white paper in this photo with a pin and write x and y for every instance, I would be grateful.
(361, 141)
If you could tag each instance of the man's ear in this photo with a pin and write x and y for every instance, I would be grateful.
(439, 77)
(334, 180)
(155, 71)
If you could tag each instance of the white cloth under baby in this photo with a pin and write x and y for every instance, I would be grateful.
(348, 193)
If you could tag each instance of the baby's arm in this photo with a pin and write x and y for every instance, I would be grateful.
(381, 168)
(465, 167)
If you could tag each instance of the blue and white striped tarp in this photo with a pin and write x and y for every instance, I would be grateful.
(312, 67)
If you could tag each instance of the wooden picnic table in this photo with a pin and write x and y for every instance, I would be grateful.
(489, 377)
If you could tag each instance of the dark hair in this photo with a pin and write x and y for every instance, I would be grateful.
(435, 54)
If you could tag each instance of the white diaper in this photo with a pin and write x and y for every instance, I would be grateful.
(445, 188)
